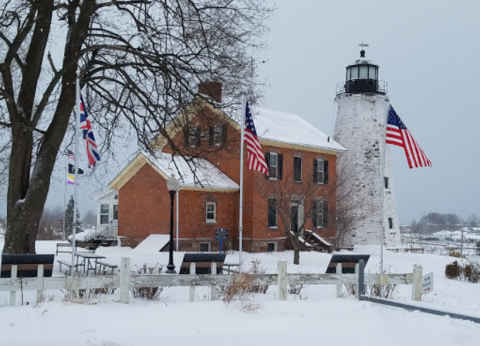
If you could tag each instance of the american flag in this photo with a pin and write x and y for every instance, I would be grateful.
(398, 134)
(86, 127)
(255, 157)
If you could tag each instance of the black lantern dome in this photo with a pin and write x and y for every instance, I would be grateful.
(362, 77)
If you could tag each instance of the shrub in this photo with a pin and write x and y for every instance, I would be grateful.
(471, 272)
(256, 268)
(453, 270)
(148, 293)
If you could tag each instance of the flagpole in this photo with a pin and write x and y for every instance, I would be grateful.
(75, 169)
(382, 221)
(240, 218)
(65, 196)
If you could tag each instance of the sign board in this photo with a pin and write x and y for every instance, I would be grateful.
(427, 283)
(221, 234)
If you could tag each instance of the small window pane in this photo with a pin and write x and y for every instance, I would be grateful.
(104, 209)
(103, 219)
(354, 72)
(386, 182)
(319, 214)
(390, 223)
(192, 136)
(204, 247)
(372, 72)
(115, 212)
(363, 72)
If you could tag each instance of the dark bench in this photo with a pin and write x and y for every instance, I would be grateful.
(101, 264)
(27, 265)
(66, 264)
(348, 263)
(203, 262)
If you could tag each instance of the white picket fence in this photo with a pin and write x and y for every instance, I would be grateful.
(125, 280)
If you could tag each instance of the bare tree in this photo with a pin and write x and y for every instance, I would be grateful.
(89, 219)
(139, 62)
(302, 208)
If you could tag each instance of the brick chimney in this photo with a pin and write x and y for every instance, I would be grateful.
(212, 90)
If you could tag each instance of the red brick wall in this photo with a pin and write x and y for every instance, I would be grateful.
(144, 205)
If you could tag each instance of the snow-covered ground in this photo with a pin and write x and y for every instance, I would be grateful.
(314, 317)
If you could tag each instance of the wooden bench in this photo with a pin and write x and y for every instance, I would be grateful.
(101, 264)
(67, 264)
(27, 265)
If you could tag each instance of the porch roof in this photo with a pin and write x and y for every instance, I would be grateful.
(194, 172)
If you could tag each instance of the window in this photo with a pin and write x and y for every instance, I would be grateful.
(217, 135)
(272, 212)
(273, 168)
(320, 171)
(390, 223)
(272, 247)
(115, 212)
(211, 211)
(192, 136)
(386, 183)
(297, 169)
(275, 165)
(104, 214)
(205, 247)
(320, 214)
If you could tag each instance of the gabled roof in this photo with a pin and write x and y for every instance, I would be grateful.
(205, 176)
(274, 128)
(290, 129)
(108, 195)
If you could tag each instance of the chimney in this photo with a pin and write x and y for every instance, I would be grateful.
(212, 90)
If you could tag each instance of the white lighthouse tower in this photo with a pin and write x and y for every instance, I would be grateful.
(367, 212)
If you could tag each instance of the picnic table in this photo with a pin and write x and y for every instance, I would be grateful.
(86, 261)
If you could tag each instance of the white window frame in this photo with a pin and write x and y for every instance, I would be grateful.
(321, 169)
(273, 167)
(102, 213)
(275, 246)
(209, 246)
(207, 211)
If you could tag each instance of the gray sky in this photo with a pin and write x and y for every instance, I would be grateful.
(427, 52)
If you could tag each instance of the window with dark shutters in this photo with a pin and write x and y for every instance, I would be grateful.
(192, 136)
(320, 214)
(297, 169)
(320, 171)
(217, 135)
(272, 212)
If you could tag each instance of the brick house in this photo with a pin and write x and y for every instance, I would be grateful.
(302, 162)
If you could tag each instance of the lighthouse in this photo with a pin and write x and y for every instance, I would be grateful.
(366, 207)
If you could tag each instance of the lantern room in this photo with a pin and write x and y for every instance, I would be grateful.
(362, 77)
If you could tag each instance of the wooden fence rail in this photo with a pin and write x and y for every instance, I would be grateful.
(125, 280)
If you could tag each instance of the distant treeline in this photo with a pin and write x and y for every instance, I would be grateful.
(434, 222)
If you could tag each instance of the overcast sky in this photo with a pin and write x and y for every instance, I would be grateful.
(428, 52)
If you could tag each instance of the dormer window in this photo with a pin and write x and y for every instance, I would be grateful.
(192, 136)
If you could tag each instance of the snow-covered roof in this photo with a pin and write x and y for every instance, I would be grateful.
(291, 128)
(194, 173)
(109, 194)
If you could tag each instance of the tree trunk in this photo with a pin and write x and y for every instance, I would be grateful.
(296, 255)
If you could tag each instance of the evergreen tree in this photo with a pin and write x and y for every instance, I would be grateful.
(69, 218)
